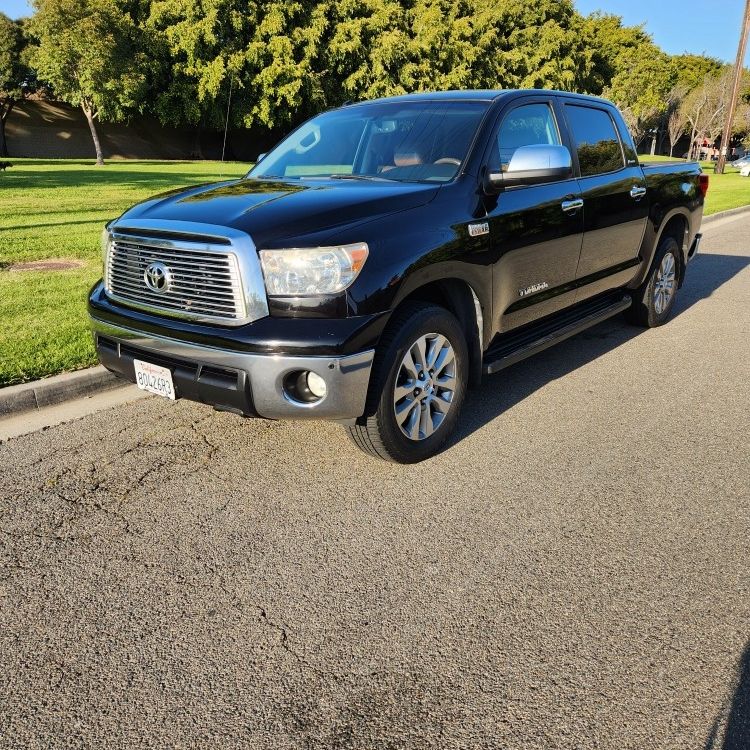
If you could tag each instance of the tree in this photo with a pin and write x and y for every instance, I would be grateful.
(692, 70)
(198, 52)
(627, 67)
(676, 125)
(15, 77)
(612, 46)
(741, 124)
(265, 55)
(89, 52)
(641, 88)
(720, 94)
(528, 45)
(704, 107)
(675, 116)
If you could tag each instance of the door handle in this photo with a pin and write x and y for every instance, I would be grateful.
(637, 192)
(573, 205)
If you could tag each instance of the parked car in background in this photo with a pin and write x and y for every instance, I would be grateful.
(740, 163)
(387, 254)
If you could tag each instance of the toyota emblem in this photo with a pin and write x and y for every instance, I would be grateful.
(157, 277)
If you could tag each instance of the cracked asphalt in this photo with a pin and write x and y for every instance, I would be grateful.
(572, 572)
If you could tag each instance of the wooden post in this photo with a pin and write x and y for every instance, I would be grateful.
(738, 68)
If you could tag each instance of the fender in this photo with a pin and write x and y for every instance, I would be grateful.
(477, 278)
(652, 237)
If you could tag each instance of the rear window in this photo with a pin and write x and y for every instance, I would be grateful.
(595, 140)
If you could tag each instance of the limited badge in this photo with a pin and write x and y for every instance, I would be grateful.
(533, 289)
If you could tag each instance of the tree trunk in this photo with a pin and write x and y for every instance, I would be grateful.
(3, 144)
(94, 135)
(6, 110)
(671, 149)
(693, 135)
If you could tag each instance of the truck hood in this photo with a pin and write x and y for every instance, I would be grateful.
(273, 211)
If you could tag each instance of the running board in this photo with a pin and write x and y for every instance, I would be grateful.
(514, 347)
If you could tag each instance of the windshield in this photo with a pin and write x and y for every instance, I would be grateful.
(402, 141)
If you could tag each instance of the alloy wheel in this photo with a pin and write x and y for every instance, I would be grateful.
(664, 287)
(425, 386)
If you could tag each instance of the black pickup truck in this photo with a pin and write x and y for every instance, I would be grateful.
(387, 254)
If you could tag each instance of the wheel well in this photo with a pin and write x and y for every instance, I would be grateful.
(456, 296)
(677, 227)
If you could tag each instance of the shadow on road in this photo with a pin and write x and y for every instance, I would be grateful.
(734, 718)
(705, 274)
(501, 392)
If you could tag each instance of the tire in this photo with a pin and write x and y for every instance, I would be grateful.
(428, 406)
(654, 299)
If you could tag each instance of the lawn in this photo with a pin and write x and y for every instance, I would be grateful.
(56, 209)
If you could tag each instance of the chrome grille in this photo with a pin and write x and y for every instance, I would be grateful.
(204, 280)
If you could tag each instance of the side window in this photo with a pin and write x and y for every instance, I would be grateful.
(595, 140)
(527, 125)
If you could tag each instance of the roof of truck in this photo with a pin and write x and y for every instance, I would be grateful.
(474, 95)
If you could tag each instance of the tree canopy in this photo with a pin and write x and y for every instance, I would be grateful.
(270, 64)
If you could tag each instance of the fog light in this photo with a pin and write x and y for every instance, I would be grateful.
(316, 384)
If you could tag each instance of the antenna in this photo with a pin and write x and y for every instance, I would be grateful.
(226, 127)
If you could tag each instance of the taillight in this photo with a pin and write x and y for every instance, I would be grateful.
(703, 184)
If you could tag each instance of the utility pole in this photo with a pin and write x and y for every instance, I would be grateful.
(738, 68)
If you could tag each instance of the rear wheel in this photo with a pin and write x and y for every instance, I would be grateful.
(653, 301)
(417, 387)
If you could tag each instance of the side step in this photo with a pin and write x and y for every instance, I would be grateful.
(516, 346)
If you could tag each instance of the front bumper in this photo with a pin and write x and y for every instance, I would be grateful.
(245, 383)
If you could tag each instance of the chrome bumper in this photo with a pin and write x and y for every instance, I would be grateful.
(259, 379)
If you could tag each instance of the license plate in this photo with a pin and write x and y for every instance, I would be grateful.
(154, 379)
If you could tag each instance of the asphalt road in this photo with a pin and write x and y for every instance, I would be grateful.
(571, 573)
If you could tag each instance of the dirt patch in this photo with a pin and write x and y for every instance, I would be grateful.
(50, 264)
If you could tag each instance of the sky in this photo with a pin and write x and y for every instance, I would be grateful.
(698, 26)
(710, 26)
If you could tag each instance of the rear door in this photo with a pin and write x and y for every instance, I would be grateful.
(535, 230)
(613, 188)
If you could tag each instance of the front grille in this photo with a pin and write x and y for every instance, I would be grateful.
(203, 284)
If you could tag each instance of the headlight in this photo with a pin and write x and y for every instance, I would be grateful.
(304, 272)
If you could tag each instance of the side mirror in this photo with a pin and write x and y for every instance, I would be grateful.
(261, 157)
(534, 165)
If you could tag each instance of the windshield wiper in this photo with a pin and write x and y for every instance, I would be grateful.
(370, 177)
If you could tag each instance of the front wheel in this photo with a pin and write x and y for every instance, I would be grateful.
(417, 386)
(653, 301)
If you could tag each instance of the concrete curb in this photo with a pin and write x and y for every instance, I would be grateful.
(723, 214)
(15, 399)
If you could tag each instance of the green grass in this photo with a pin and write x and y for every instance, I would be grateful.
(56, 209)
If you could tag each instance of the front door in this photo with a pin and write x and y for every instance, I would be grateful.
(535, 230)
(614, 196)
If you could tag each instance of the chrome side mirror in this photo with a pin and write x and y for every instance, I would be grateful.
(534, 165)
